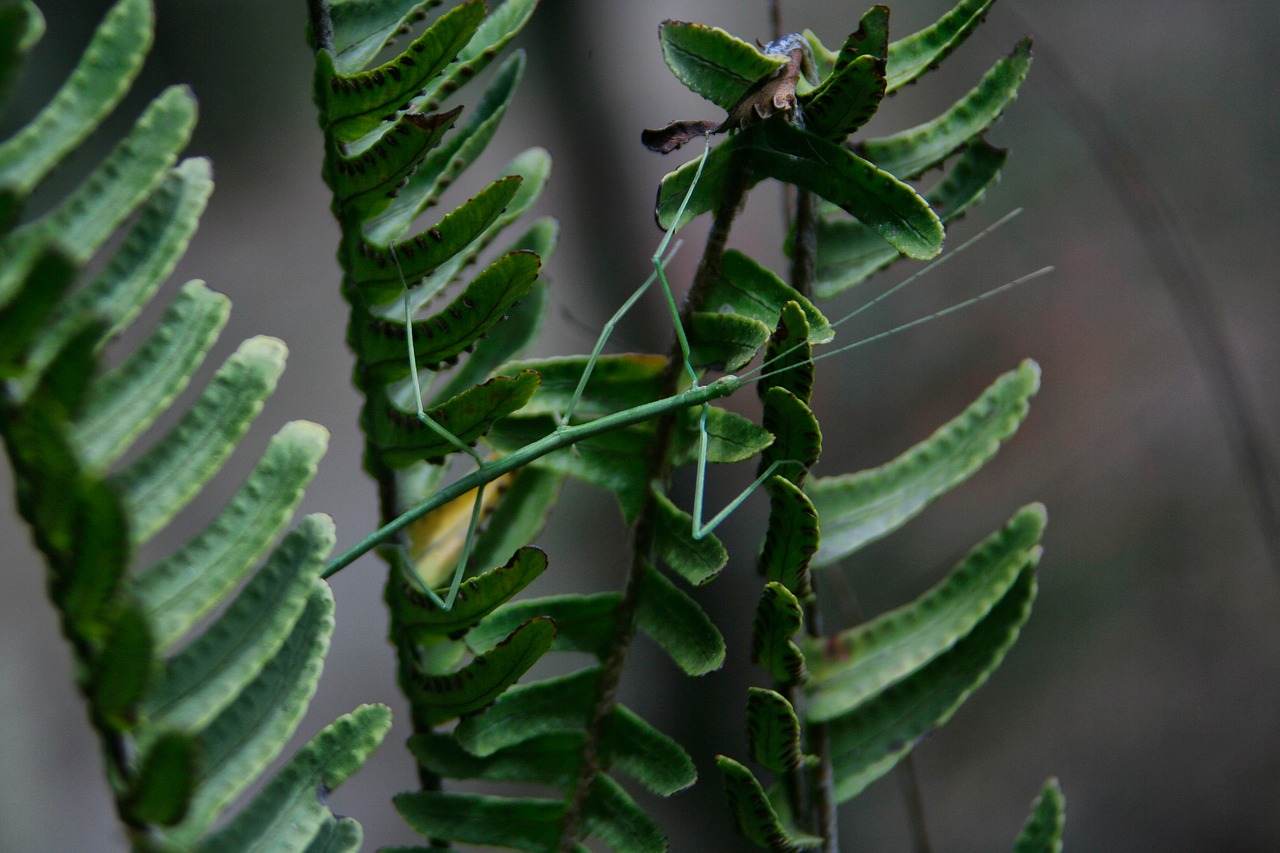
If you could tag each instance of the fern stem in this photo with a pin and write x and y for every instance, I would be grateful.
(321, 25)
(804, 259)
(646, 527)
(822, 803)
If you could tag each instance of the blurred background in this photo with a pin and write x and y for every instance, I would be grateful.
(1149, 675)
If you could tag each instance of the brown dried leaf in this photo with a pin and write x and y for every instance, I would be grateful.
(769, 97)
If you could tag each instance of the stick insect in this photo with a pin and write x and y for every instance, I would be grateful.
(772, 96)
(567, 434)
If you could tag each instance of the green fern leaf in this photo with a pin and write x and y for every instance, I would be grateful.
(791, 539)
(613, 817)
(497, 30)
(676, 623)
(289, 813)
(180, 589)
(645, 754)
(630, 745)
(99, 81)
(42, 280)
(773, 731)
(21, 26)
(789, 356)
(551, 759)
(712, 63)
(84, 220)
(147, 255)
(364, 183)
(405, 440)
(867, 742)
(161, 792)
(870, 39)
(553, 705)
(860, 662)
(449, 333)
(922, 51)
(698, 561)
(379, 279)
(754, 814)
(477, 598)
(584, 623)
(617, 382)
(124, 669)
(918, 149)
(847, 99)
(124, 402)
(247, 734)
(731, 437)
(520, 328)
(747, 288)
(797, 437)
(778, 619)
(857, 509)
(362, 28)
(533, 167)
(172, 471)
(724, 341)
(520, 823)
(1042, 833)
(214, 668)
(477, 684)
(850, 252)
(787, 153)
(443, 165)
(356, 104)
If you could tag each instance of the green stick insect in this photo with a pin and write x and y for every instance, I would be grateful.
(775, 96)
(566, 435)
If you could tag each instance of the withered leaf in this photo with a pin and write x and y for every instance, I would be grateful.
(671, 137)
(771, 95)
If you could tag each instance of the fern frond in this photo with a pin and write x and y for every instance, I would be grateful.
(184, 732)
(861, 698)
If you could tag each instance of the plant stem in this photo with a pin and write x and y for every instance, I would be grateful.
(645, 528)
(804, 258)
(321, 25)
(822, 800)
